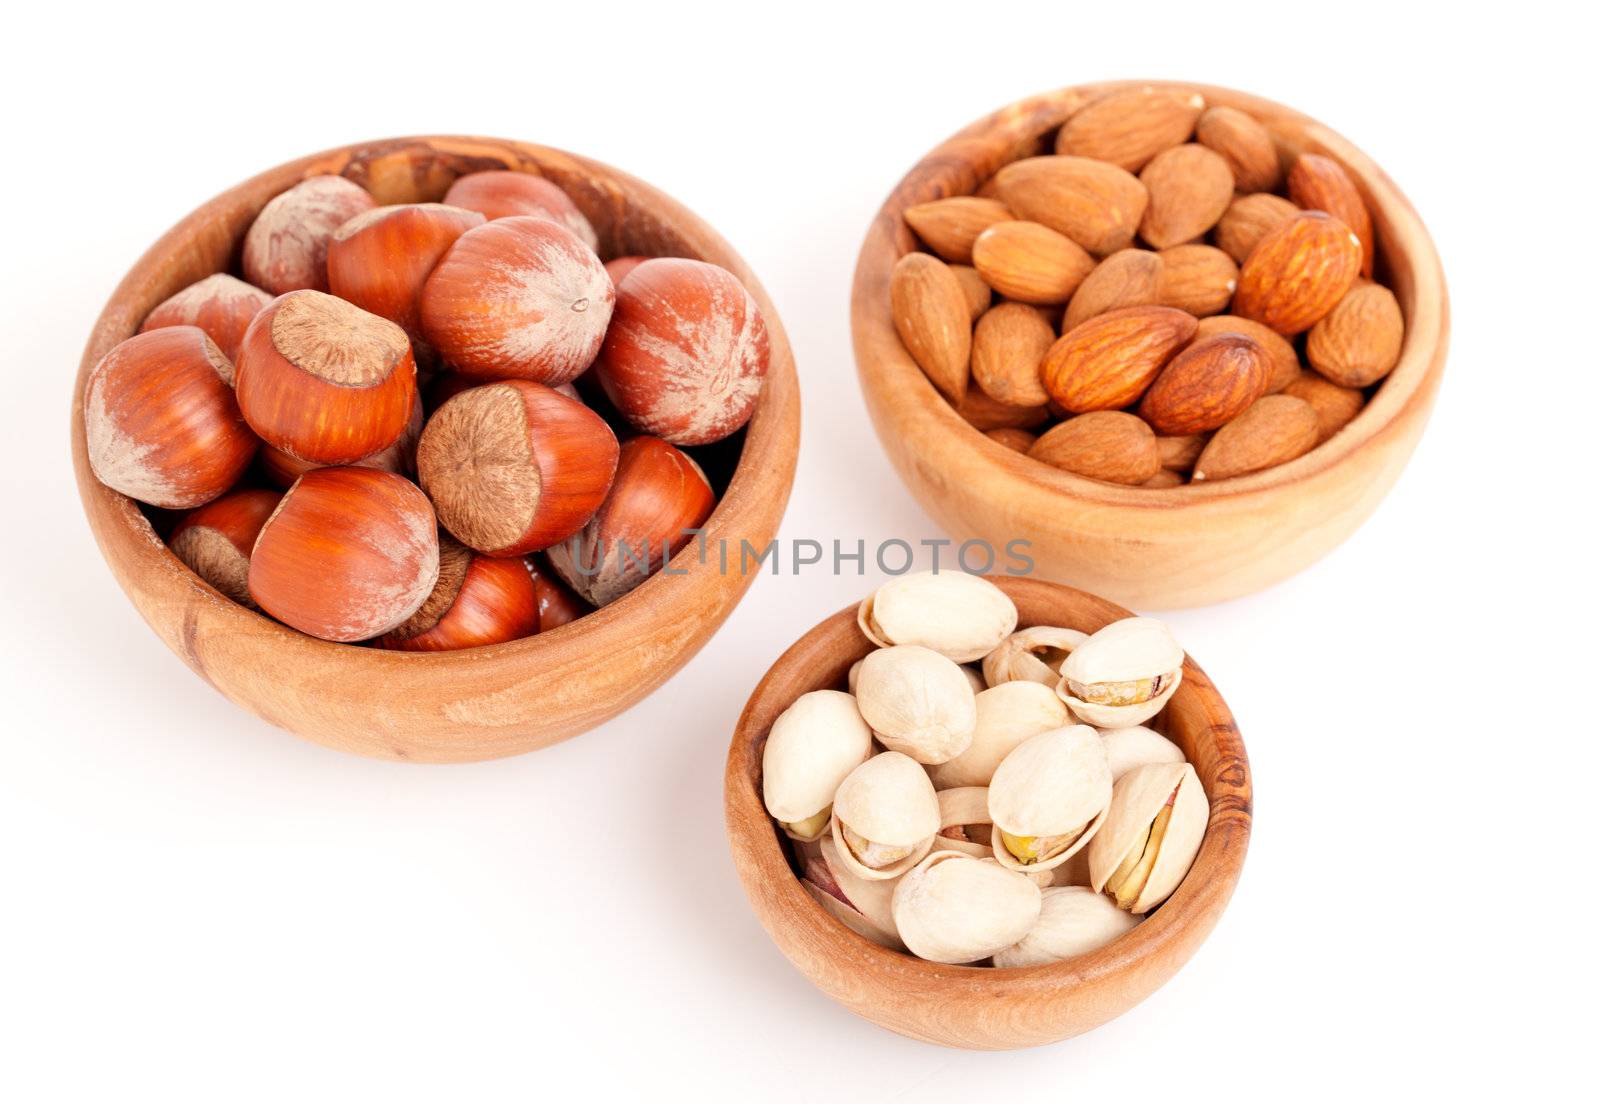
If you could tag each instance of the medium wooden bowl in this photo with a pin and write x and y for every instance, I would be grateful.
(483, 702)
(1147, 548)
(974, 1007)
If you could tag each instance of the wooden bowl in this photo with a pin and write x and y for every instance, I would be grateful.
(1147, 548)
(483, 702)
(975, 1007)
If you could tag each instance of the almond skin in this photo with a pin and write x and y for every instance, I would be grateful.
(1017, 440)
(1109, 445)
(950, 226)
(1129, 127)
(1318, 183)
(1298, 273)
(1244, 144)
(1127, 278)
(1207, 385)
(1008, 346)
(933, 320)
(984, 414)
(1190, 187)
(1166, 477)
(1358, 343)
(1248, 219)
(1335, 405)
(1095, 204)
(1030, 263)
(978, 294)
(1200, 279)
(1285, 367)
(1107, 362)
(1180, 453)
(1275, 430)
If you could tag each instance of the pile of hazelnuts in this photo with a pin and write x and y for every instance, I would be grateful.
(402, 425)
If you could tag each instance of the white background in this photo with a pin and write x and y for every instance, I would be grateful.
(195, 906)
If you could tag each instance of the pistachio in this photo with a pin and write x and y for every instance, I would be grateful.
(1151, 835)
(1034, 654)
(1122, 675)
(1073, 921)
(1127, 748)
(918, 702)
(1048, 797)
(813, 745)
(1007, 715)
(885, 815)
(964, 823)
(955, 909)
(958, 615)
(861, 904)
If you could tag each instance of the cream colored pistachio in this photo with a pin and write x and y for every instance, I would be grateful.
(957, 615)
(953, 908)
(1007, 715)
(861, 904)
(974, 678)
(1151, 835)
(885, 815)
(1127, 748)
(1048, 797)
(964, 823)
(813, 745)
(1033, 654)
(1122, 675)
(1073, 920)
(918, 702)
(854, 673)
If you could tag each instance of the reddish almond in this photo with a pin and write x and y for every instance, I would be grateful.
(1007, 347)
(1250, 218)
(1285, 364)
(1207, 385)
(1190, 187)
(1095, 204)
(1200, 279)
(1335, 405)
(1127, 278)
(1107, 362)
(978, 293)
(950, 226)
(1244, 144)
(933, 320)
(1108, 445)
(1030, 263)
(1358, 343)
(1318, 183)
(1298, 272)
(1131, 126)
(1275, 430)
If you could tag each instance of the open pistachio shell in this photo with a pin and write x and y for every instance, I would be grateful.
(1073, 872)
(1151, 835)
(974, 678)
(1127, 748)
(1033, 654)
(953, 908)
(1072, 921)
(957, 615)
(862, 905)
(812, 746)
(918, 702)
(1049, 795)
(1122, 675)
(885, 815)
(965, 807)
(1007, 715)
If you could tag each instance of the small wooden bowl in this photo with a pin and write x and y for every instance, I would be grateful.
(483, 702)
(1148, 548)
(975, 1007)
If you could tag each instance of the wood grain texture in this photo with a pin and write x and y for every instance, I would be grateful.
(1148, 548)
(485, 702)
(972, 1007)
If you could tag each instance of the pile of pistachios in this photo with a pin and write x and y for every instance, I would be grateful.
(1014, 816)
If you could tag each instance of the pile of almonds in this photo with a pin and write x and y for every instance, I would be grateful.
(430, 425)
(1182, 298)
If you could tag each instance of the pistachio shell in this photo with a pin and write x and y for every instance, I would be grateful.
(917, 702)
(866, 905)
(888, 800)
(812, 746)
(959, 808)
(1007, 715)
(953, 908)
(1072, 921)
(1137, 800)
(1127, 748)
(855, 673)
(974, 678)
(957, 615)
(1054, 784)
(1034, 654)
(1073, 872)
(1125, 654)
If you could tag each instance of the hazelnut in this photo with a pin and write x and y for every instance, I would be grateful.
(215, 541)
(557, 605)
(282, 468)
(380, 259)
(503, 194)
(221, 305)
(286, 247)
(478, 600)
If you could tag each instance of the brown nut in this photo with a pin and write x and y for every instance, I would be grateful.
(1109, 445)
(1207, 385)
(1008, 346)
(1107, 362)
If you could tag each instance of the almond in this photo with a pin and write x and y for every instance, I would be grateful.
(1207, 385)
(1358, 343)
(1275, 430)
(932, 319)
(1244, 144)
(1200, 279)
(978, 294)
(950, 226)
(1190, 187)
(984, 414)
(1298, 272)
(1166, 477)
(1318, 183)
(1007, 347)
(1130, 126)
(1108, 361)
(1096, 205)
(1127, 278)
(1180, 453)
(1335, 405)
(1029, 262)
(1108, 445)
(1285, 367)
(1250, 218)
(1017, 440)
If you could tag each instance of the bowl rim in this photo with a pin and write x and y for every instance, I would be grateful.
(1177, 927)
(882, 363)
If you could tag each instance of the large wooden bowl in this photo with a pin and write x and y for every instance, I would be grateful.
(1147, 548)
(483, 702)
(974, 1007)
